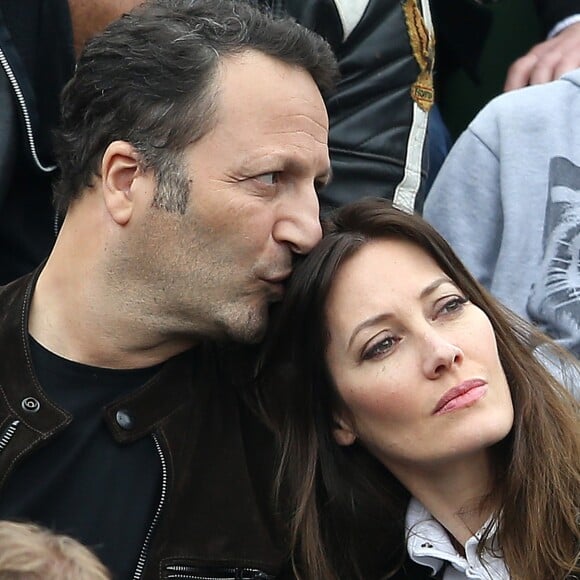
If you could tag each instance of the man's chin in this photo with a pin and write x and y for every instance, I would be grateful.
(252, 330)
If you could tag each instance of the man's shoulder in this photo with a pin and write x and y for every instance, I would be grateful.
(529, 103)
(13, 295)
(525, 116)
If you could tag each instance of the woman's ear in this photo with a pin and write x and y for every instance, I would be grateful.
(343, 432)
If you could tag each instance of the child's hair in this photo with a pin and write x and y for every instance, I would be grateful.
(30, 552)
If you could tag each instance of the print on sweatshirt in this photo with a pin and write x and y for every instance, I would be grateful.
(554, 302)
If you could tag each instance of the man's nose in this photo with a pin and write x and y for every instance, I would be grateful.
(299, 225)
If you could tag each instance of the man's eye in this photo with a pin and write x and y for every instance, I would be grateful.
(268, 178)
(319, 185)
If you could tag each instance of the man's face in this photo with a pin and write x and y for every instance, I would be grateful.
(252, 205)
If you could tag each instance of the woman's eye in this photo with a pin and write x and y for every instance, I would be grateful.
(268, 178)
(453, 304)
(380, 348)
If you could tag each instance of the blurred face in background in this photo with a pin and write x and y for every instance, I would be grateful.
(90, 17)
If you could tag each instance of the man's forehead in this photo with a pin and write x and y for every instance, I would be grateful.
(256, 77)
(257, 96)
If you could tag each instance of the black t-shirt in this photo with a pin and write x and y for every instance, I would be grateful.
(83, 483)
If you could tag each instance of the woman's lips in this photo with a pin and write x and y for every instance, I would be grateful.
(461, 396)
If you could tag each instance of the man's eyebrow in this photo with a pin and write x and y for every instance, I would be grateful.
(292, 163)
(284, 162)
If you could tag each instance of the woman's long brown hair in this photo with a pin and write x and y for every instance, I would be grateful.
(347, 511)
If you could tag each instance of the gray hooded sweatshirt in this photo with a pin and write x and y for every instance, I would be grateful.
(507, 199)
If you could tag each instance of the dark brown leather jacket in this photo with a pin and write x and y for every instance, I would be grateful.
(214, 515)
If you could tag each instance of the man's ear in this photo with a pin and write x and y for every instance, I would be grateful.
(119, 168)
(343, 432)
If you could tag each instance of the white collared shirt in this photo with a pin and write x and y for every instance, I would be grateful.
(428, 544)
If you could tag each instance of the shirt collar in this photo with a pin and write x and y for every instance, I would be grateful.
(428, 544)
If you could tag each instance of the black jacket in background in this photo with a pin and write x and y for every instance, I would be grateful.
(371, 113)
(36, 60)
(553, 11)
(462, 26)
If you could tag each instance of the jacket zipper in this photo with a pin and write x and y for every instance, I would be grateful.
(185, 572)
(147, 543)
(8, 434)
(25, 114)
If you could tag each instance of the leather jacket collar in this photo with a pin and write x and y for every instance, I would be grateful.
(129, 418)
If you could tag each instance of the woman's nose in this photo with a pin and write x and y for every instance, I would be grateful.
(440, 354)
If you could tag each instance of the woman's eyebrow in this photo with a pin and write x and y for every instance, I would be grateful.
(434, 285)
(369, 322)
(387, 315)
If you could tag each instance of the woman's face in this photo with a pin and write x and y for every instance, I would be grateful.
(414, 362)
